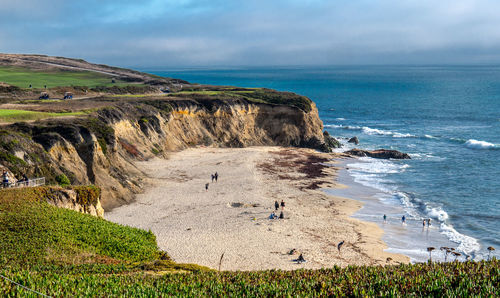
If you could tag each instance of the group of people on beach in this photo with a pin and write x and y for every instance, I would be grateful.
(214, 177)
(276, 207)
(425, 221)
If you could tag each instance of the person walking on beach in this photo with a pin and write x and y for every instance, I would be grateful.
(339, 246)
(423, 223)
(385, 218)
(428, 222)
(276, 205)
(213, 177)
(206, 187)
(403, 219)
(301, 259)
(216, 176)
(282, 205)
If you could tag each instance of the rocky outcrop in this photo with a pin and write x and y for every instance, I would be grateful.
(84, 199)
(380, 153)
(354, 140)
(330, 142)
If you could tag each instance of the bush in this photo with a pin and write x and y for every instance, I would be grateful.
(63, 180)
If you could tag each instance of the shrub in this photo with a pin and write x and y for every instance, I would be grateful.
(63, 180)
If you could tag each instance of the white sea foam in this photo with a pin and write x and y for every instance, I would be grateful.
(403, 135)
(343, 126)
(373, 173)
(436, 213)
(475, 144)
(427, 156)
(465, 243)
(371, 165)
(374, 131)
(340, 119)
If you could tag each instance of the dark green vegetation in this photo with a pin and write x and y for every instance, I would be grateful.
(34, 232)
(23, 77)
(64, 253)
(254, 95)
(54, 244)
(62, 180)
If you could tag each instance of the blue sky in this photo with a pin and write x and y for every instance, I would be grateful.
(254, 32)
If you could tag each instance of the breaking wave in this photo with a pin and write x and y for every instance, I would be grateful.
(373, 131)
(475, 144)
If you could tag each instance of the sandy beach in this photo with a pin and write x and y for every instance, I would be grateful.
(195, 225)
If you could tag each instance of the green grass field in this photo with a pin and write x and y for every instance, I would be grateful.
(9, 116)
(23, 77)
(60, 253)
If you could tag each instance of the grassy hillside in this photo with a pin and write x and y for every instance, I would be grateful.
(23, 77)
(7, 116)
(60, 252)
(34, 232)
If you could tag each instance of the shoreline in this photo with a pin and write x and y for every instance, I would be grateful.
(197, 226)
(410, 239)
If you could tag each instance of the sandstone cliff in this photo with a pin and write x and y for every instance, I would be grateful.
(101, 149)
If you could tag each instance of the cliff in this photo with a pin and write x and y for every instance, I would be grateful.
(101, 148)
(84, 199)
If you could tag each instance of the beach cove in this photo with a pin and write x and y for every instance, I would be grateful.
(195, 225)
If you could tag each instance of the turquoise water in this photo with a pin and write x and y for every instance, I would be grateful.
(446, 118)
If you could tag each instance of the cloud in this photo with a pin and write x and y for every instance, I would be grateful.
(258, 32)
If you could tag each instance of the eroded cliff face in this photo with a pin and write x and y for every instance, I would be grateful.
(102, 150)
(75, 200)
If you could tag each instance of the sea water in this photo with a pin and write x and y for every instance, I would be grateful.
(446, 117)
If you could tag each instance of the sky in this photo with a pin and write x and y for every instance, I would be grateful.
(199, 33)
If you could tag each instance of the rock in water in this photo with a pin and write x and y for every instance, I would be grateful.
(380, 153)
(331, 141)
(354, 140)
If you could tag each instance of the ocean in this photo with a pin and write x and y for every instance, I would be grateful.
(446, 117)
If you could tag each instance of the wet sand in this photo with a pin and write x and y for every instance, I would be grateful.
(197, 226)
